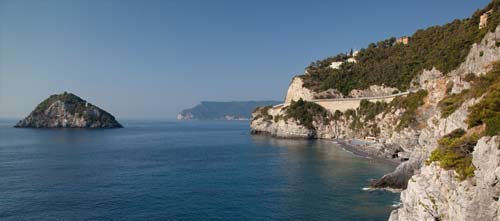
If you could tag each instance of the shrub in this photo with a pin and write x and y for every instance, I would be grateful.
(455, 152)
(350, 113)
(470, 77)
(371, 109)
(492, 126)
(481, 53)
(479, 86)
(307, 112)
(74, 103)
(337, 115)
(451, 103)
(449, 87)
(410, 104)
(487, 111)
(264, 113)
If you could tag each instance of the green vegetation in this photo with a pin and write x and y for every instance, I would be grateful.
(264, 113)
(449, 87)
(487, 111)
(279, 117)
(356, 123)
(75, 106)
(451, 103)
(410, 104)
(371, 109)
(455, 152)
(306, 112)
(337, 115)
(74, 102)
(469, 77)
(395, 65)
(479, 85)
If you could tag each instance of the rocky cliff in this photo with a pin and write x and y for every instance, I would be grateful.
(67, 110)
(460, 183)
(436, 193)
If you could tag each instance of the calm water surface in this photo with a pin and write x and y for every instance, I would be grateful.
(170, 170)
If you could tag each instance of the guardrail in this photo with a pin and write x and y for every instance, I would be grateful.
(355, 98)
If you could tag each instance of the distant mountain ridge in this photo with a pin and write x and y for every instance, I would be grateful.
(214, 110)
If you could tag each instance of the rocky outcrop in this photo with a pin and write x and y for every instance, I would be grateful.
(262, 124)
(373, 91)
(429, 192)
(436, 194)
(296, 91)
(478, 62)
(68, 111)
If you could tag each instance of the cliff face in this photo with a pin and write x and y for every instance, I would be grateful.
(436, 194)
(68, 111)
(429, 192)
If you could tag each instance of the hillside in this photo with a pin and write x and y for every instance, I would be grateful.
(395, 64)
(430, 101)
(233, 110)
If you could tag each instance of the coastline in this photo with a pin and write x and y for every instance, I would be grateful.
(364, 150)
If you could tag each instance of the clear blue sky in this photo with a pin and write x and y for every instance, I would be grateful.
(150, 59)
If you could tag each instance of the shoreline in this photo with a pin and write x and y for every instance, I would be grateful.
(360, 150)
(365, 150)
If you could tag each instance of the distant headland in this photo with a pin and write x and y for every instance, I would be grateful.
(233, 110)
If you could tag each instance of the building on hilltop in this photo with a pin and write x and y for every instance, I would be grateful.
(351, 59)
(483, 20)
(336, 64)
(403, 40)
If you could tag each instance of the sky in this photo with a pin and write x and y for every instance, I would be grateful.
(151, 59)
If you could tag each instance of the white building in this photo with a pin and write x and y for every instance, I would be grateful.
(336, 64)
(352, 60)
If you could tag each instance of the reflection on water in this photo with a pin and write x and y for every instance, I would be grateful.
(315, 164)
(182, 170)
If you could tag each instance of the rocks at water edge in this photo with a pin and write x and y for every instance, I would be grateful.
(67, 110)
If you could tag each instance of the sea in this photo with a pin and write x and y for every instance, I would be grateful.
(182, 170)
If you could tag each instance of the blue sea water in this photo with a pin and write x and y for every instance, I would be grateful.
(169, 170)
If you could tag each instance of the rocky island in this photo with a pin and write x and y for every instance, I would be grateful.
(67, 110)
(430, 100)
(213, 110)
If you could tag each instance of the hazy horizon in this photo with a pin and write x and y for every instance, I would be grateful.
(152, 59)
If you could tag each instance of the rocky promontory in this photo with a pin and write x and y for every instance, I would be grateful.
(67, 110)
(431, 102)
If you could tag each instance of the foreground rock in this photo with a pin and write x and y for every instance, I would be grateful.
(67, 110)
(435, 193)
